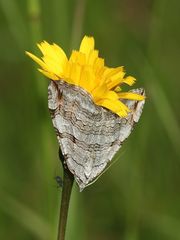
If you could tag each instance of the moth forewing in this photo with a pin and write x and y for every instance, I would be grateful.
(88, 135)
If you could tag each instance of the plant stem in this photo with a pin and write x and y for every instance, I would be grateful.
(68, 180)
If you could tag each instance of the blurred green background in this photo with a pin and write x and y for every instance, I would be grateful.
(138, 198)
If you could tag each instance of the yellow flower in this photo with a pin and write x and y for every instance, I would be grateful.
(85, 69)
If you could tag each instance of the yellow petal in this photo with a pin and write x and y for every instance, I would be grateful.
(98, 92)
(111, 95)
(93, 55)
(129, 80)
(113, 83)
(53, 66)
(130, 96)
(110, 72)
(87, 80)
(118, 89)
(78, 57)
(114, 77)
(52, 50)
(75, 73)
(99, 66)
(37, 60)
(55, 53)
(115, 106)
(59, 52)
(49, 75)
(87, 45)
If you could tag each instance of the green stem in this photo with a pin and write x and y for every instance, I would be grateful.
(68, 180)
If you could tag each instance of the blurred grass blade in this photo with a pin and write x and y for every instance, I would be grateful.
(166, 113)
(163, 108)
(60, 22)
(165, 224)
(25, 216)
(16, 22)
(34, 12)
(78, 20)
(161, 102)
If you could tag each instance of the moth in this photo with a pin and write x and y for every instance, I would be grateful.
(89, 135)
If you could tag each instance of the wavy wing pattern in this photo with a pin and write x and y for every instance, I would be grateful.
(89, 135)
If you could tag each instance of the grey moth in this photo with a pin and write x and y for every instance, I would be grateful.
(88, 135)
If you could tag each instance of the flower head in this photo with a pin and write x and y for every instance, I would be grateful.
(85, 69)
